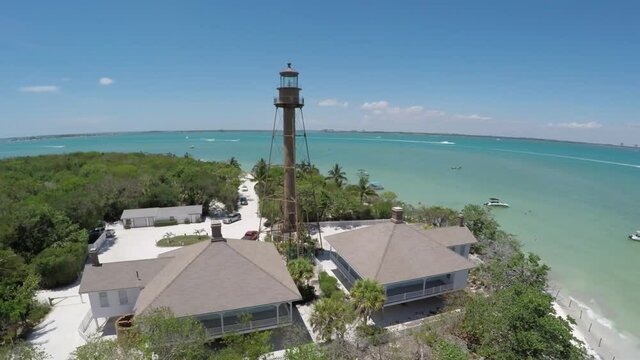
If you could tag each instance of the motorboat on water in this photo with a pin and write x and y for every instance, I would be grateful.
(635, 236)
(496, 202)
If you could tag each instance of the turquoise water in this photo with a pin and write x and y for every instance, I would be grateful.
(573, 204)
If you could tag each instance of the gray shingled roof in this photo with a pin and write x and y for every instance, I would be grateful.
(450, 235)
(177, 211)
(210, 277)
(390, 252)
(120, 275)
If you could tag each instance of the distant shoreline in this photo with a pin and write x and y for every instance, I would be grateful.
(111, 133)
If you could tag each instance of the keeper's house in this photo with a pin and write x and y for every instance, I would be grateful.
(221, 283)
(411, 263)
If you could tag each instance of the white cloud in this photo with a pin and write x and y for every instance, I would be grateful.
(473, 117)
(435, 113)
(333, 102)
(383, 107)
(105, 81)
(375, 105)
(39, 89)
(576, 125)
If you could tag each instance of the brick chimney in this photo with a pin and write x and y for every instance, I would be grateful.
(93, 255)
(216, 231)
(397, 215)
(460, 220)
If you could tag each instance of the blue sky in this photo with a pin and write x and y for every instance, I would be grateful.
(551, 69)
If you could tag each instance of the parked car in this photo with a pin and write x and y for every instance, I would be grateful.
(250, 235)
(111, 233)
(233, 217)
(243, 200)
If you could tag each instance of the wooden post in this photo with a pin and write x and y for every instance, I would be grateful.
(278, 314)
(580, 314)
(557, 293)
(590, 327)
(570, 301)
(222, 322)
(600, 342)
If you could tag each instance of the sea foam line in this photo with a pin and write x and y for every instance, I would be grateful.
(570, 157)
(398, 140)
(53, 146)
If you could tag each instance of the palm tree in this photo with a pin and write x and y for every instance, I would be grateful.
(337, 175)
(260, 171)
(331, 316)
(364, 189)
(234, 162)
(368, 297)
(301, 270)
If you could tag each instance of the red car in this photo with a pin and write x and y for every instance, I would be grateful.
(250, 235)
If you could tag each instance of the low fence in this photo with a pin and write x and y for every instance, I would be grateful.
(98, 243)
(599, 337)
(84, 325)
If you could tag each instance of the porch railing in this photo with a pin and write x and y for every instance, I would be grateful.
(418, 294)
(248, 326)
(344, 271)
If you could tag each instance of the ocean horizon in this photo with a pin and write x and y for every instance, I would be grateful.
(572, 203)
(107, 133)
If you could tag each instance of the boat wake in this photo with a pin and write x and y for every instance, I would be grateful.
(221, 140)
(53, 146)
(570, 157)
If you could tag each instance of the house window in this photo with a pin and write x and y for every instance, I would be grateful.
(172, 218)
(104, 299)
(122, 294)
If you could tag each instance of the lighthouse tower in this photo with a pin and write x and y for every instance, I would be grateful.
(289, 100)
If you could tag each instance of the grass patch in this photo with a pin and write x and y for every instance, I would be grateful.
(181, 240)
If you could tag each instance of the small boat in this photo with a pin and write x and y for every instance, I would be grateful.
(362, 172)
(635, 236)
(456, 168)
(376, 185)
(192, 147)
(496, 202)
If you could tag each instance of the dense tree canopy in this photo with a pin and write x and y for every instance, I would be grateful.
(49, 202)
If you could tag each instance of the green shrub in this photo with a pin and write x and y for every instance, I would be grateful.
(37, 313)
(308, 293)
(165, 222)
(329, 285)
(59, 266)
(375, 335)
(445, 350)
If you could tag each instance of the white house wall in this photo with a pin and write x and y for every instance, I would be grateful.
(460, 279)
(114, 309)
